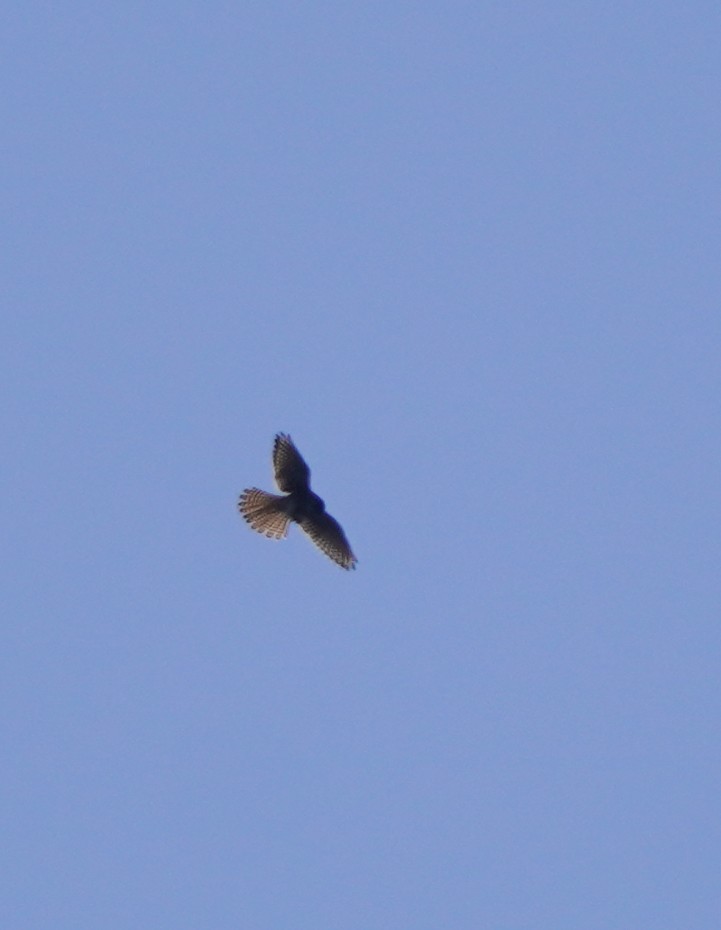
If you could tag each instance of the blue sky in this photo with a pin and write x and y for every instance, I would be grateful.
(467, 254)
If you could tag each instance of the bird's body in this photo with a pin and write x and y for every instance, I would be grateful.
(271, 514)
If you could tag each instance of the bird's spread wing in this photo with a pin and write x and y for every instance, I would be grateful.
(264, 512)
(291, 471)
(328, 535)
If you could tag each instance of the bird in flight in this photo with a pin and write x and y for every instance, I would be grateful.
(271, 514)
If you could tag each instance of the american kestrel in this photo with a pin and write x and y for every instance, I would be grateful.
(271, 514)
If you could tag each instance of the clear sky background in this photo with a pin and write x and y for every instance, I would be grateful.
(468, 255)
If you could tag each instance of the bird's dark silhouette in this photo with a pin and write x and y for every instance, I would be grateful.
(271, 514)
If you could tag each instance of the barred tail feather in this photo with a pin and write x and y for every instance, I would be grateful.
(264, 512)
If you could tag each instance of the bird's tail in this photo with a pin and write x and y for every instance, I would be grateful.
(264, 512)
